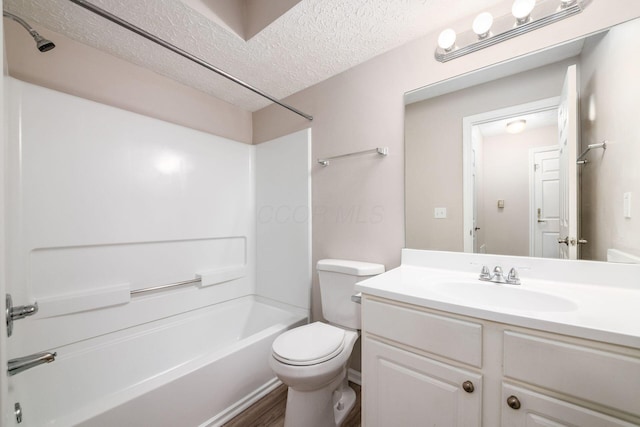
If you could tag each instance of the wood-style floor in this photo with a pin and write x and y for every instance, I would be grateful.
(269, 411)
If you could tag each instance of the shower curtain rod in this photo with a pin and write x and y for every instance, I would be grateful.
(117, 20)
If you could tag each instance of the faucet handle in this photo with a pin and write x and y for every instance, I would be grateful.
(484, 273)
(513, 278)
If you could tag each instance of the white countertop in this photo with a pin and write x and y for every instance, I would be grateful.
(591, 308)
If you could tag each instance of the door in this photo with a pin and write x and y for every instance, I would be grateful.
(546, 202)
(568, 142)
(406, 389)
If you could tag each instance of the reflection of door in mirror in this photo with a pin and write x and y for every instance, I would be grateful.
(544, 184)
(568, 142)
(500, 188)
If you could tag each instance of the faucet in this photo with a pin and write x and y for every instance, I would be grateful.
(21, 364)
(498, 276)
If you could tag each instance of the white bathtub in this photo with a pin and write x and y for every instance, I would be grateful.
(195, 369)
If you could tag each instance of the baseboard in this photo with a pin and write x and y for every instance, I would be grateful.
(234, 410)
(354, 376)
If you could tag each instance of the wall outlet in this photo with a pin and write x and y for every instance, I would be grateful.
(440, 213)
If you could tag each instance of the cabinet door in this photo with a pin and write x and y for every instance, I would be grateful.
(538, 410)
(401, 388)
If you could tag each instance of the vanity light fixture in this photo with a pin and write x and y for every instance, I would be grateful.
(525, 16)
(516, 126)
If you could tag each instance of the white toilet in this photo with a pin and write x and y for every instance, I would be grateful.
(313, 359)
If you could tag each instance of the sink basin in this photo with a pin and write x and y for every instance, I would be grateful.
(501, 295)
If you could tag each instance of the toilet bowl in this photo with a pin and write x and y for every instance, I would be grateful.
(312, 360)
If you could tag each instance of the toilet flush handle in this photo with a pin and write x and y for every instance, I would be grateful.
(357, 298)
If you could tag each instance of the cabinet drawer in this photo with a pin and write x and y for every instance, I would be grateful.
(539, 410)
(595, 375)
(445, 336)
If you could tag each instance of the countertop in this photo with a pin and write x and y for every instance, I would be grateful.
(595, 311)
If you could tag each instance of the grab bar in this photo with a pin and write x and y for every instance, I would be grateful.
(203, 279)
(164, 287)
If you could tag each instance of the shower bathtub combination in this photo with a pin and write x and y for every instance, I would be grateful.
(193, 369)
(158, 288)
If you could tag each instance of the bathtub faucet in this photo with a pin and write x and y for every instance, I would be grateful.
(20, 364)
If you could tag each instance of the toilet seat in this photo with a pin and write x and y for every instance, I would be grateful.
(309, 345)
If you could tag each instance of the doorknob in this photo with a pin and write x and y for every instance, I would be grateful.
(565, 241)
(16, 313)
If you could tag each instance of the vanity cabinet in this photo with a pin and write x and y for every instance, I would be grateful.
(426, 367)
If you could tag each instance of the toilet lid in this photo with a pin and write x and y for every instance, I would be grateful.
(309, 344)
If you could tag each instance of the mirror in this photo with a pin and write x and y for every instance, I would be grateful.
(607, 186)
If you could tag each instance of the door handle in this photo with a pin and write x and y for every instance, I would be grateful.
(16, 313)
(564, 241)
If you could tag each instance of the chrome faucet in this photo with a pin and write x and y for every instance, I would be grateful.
(498, 275)
(21, 364)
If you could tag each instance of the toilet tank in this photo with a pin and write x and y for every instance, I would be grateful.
(337, 280)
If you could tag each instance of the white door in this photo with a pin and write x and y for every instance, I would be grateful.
(546, 202)
(568, 142)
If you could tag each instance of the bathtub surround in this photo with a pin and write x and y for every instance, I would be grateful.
(105, 203)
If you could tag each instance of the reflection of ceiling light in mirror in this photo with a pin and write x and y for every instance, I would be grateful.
(516, 126)
(447, 39)
(482, 24)
(521, 10)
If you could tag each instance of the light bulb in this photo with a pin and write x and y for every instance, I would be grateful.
(521, 10)
(482, 24)
(447, 39)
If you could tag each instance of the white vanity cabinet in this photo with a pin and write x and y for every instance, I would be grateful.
(415, 373)
(426, 367)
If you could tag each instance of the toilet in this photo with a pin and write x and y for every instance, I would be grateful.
(312, 360)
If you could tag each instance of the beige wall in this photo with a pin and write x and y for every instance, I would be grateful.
(80, 70)
(433, 140)
(615, 171)
(505, 167)
(363, 108)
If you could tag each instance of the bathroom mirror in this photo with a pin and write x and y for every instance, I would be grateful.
(465, 195)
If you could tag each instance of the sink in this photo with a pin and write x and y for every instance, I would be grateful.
(501, 295)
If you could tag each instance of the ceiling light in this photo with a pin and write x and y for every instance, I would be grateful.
(516, 126)
(447, 39)
(482, 24)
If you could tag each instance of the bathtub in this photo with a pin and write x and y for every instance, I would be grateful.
(195, 369)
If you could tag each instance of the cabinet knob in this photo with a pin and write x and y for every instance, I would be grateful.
(468, 386)
(513, 402)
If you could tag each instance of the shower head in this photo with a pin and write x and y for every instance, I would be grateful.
(42, 44)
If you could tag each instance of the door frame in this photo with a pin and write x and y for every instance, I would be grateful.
(468, 123)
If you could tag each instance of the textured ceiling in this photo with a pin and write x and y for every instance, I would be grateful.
(314, 40)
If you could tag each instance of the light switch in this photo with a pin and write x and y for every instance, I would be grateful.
(626, 209)
(501, 204)
(440, 213)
